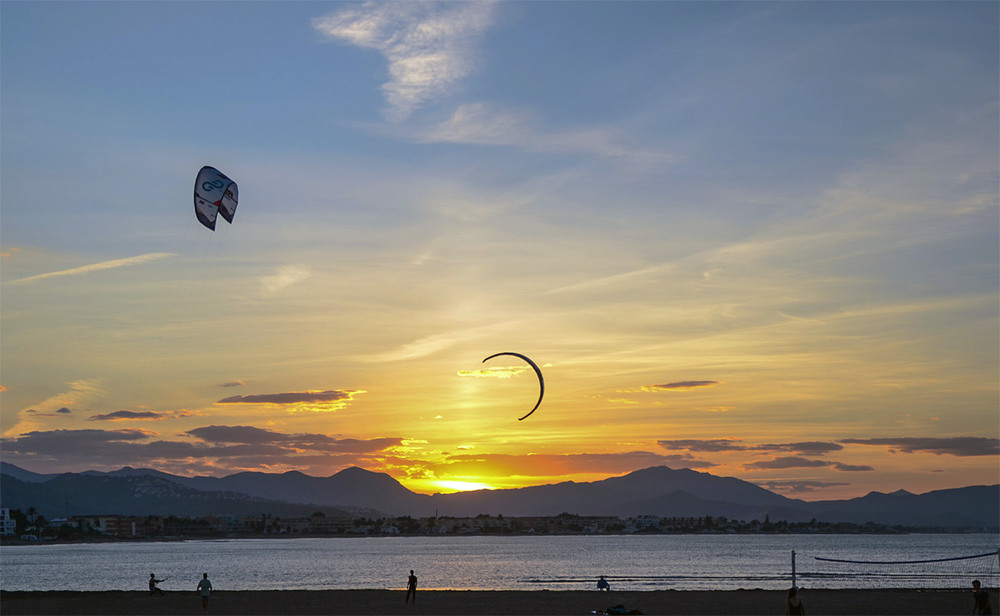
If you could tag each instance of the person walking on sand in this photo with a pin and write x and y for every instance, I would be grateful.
(981, 597)
(153, 588)
(602, 584)
(205, 586)
(411, 587)
(794, 605)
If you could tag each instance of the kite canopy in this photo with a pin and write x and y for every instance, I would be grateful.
(541, 381)
(214, 194)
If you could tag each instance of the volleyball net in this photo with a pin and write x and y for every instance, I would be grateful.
(953, 572)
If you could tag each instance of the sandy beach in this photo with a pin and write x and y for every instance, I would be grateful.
(391, 602)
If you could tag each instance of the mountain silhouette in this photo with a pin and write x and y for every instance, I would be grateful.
(136, 494)
(354, 492)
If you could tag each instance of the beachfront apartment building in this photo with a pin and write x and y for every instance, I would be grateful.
(7, 524)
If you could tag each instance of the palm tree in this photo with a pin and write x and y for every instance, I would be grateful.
(32, 514)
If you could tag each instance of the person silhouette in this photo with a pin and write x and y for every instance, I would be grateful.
(602, 584)
(981, 597)
(153, 589)
(205, 586)
(411, 587)
(794, 605)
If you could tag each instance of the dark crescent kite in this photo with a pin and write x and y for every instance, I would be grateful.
(541, 381)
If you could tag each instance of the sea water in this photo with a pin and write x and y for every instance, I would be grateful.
(629, 562)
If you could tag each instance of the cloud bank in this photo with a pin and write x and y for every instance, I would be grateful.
(809, 448)
(954, 446)
(210, 449)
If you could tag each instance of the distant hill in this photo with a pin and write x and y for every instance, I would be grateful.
(19, 473)
(968, 506)
(353, 492)
(638, 492)
(102, 494)
(352, 488)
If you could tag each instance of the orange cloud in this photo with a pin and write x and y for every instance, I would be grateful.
(129, 415)
(318, 401)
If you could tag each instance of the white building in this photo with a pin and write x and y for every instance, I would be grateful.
(7, 525)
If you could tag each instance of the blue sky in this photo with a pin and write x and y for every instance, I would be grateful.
(758, 239)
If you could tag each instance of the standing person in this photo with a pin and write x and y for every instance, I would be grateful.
(411, 587)
(794, 605)
(153, 585)
(982, 603)
(205, 586)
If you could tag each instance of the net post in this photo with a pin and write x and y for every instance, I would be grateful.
(793, 571)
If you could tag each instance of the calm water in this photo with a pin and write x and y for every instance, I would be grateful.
(651, 562)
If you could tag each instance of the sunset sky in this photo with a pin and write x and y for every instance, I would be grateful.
(753, 239)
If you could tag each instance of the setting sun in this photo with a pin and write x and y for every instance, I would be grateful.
(459, 486)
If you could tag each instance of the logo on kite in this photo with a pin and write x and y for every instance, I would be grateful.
(541, 381)
(214, 194)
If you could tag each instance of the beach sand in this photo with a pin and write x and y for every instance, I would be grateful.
(390, 602)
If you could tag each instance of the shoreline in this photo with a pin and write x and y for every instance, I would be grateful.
(475, 602)
(12, 541)
(9, 541)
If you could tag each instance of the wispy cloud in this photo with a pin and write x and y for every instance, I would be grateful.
(485, 124)
(282, 278)
(435, 343)
(95, 267)
(80, 393)
(605, 281)
(430, 46)
(954, 446)
(497, 372)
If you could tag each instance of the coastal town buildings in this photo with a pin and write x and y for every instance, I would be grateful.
(7, 524)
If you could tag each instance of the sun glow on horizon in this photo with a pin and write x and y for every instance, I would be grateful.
(450, 485)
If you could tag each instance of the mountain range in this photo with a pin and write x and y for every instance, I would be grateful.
(660, 491)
